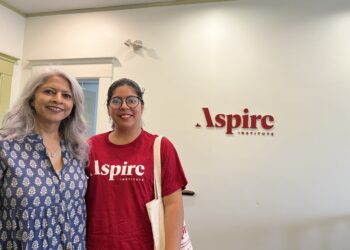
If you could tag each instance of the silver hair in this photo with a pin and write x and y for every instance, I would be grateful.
(20, 121)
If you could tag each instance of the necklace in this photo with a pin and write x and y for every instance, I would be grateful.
(52, 155)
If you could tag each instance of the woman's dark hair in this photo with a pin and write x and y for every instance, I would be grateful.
(122, 82)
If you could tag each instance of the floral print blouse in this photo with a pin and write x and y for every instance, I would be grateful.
(39, 208)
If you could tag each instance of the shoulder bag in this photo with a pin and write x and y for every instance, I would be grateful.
(155, 207)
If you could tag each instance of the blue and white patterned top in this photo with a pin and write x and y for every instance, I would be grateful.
(40, 209)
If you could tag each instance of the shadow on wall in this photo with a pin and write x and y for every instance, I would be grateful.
(324, 234)
(329, 234)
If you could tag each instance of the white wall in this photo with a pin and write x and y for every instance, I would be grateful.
(286, 58)
(12, 27)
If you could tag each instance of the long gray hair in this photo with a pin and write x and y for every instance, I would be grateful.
(20, 121)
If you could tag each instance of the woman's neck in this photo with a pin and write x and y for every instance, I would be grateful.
(51, 140)
(120, 137)
(48, 132)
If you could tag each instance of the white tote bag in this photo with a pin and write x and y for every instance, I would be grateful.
(155, 207)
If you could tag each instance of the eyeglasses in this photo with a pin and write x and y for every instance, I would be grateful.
(131, 101)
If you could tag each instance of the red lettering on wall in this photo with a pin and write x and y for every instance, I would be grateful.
(238, 121)
(208, 118)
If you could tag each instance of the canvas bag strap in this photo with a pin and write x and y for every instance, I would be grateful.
(157, 168)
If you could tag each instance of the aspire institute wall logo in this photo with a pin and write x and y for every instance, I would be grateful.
(245, 123)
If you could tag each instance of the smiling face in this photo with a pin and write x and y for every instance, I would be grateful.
(125, 118)
(53, 101)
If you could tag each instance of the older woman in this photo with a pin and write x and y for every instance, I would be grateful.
(42, 159)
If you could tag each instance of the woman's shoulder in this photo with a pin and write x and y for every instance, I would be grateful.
(98, 138)
(12, 141)
(148, 135)
(7, 145)
(151, 137)
(164, 143)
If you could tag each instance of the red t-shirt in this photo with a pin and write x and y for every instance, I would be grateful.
(120, 185)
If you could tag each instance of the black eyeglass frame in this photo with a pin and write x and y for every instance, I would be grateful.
(139, 99)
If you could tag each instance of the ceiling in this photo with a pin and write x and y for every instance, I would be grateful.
(46, 7)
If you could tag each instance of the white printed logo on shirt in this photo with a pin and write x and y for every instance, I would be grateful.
(124, 170)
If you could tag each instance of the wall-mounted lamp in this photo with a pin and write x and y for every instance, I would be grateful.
(137, 44)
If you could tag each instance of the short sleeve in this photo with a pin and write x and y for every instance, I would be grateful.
(173, 176)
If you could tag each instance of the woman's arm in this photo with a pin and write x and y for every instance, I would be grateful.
(173, 219)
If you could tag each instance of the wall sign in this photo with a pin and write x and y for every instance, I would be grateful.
(242, 124)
